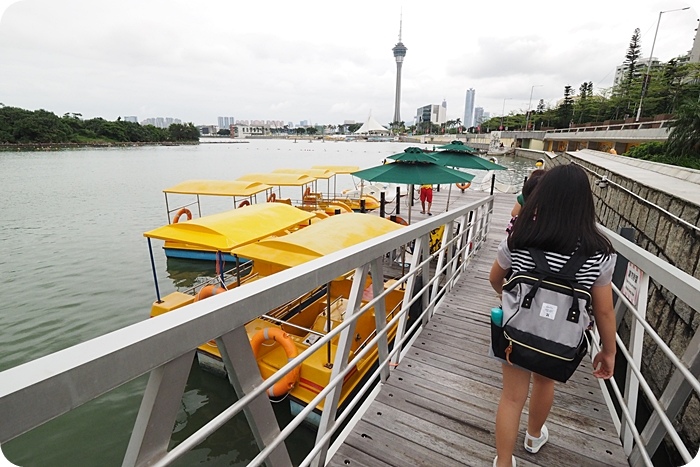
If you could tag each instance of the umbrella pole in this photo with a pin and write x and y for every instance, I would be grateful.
(410, 202)
(449, 192)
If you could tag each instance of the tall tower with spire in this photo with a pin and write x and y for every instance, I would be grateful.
(399, 53)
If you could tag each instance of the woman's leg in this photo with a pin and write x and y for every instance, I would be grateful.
(516, 384)
(540, 403)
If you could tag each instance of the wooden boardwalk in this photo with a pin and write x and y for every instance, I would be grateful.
(438, 406)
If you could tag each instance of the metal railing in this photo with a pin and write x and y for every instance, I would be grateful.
(165, 346)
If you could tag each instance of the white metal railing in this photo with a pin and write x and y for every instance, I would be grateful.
(163, 347)
(640, 444)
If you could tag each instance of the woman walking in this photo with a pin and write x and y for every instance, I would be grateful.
(559, 219)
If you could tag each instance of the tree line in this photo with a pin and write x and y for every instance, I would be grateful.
(20, 126)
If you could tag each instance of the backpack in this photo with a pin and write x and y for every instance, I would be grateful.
(545, 318)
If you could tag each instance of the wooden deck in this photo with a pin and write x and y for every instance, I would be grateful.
(438, 406)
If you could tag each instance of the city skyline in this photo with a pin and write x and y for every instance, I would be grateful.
(179, 59)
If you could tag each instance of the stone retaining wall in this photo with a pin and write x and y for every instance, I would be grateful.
(660, 233)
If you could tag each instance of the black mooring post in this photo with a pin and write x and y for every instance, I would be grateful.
(438, 188)
(398, 200)
(362, 206)
(493, 182)
(382, 204)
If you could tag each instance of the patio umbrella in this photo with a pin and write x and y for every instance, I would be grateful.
(413, 167)
(459, 146)
(463, 159)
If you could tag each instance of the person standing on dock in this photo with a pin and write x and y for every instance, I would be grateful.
(426, 195)
(558, 219)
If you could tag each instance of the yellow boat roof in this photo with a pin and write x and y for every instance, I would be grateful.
(323, 174)
(218, 187)
(279, 179)
(318, 239)
(338, 169)
(234, 228)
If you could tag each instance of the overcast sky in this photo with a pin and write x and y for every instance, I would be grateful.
(322, 61)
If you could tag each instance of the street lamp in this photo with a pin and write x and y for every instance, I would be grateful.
(527, 118)
(503, 111)
(645, 83)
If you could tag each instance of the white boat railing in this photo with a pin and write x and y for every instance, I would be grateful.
(165, 346)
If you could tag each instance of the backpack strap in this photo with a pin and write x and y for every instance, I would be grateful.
(566, 273)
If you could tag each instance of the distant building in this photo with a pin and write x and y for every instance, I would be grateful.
(478, 117)
(640, 69)
(161, 122)
(130, 118)
(695, 51)
(225, 122)
(243, 131)
(207, 130)
(431, 113)
(304, 123)
(469, 108)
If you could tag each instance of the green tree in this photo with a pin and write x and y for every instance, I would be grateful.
(565, 112)
(684, 139)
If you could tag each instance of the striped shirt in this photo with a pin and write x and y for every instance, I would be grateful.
(597, 270)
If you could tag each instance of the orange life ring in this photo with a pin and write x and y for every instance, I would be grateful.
(289, 380)
(400, 220)
(271, 198)
(243, 203)
(183, 211)
(209, 291)
(463, 186)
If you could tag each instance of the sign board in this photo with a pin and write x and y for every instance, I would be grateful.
(632, 283)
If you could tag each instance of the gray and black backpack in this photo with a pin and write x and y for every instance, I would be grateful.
(545, 318)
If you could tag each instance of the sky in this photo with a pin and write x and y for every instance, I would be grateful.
(321, 61)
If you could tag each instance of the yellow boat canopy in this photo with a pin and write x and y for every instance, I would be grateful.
(218, 188)
(318, 239)
(338, 169)
(279, 179)
(321, 174)
(234, 228)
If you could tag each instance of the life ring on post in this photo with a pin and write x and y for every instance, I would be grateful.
(540, 163)
(181, 212)
(271, 198)
(288, 381)
(243, 203)
(463, 186)
(209, 291)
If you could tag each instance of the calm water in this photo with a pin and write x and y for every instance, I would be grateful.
(74, 266)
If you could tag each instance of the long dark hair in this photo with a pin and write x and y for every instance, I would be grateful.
(559, 215)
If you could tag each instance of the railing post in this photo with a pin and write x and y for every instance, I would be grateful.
(636, 347)
(159, 408)
(330, 403)
(377, 272)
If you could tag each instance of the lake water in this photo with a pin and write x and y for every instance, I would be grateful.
(75, 265)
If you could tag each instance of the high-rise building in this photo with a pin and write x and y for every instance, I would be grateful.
(432, 113)
(469, 108)
(399, 53)
(225, 122)
(130, 118)
(478, 117)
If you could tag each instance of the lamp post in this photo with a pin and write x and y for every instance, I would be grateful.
(529, 104)
(645, 83)
(503, 110)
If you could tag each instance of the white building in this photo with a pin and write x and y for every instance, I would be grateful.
(130, 118)
(641, 68)
(469, 108)
(432, 113)
(225, 122)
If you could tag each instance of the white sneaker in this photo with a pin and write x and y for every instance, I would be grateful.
(532, 444)
(496, 459)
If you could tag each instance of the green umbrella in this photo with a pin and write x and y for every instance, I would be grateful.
(413, 154)
(465, 160)
(459, 147)
(413, 173)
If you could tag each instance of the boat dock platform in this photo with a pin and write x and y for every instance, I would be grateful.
(438, 407)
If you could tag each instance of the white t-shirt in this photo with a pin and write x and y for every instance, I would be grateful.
(597, 270)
